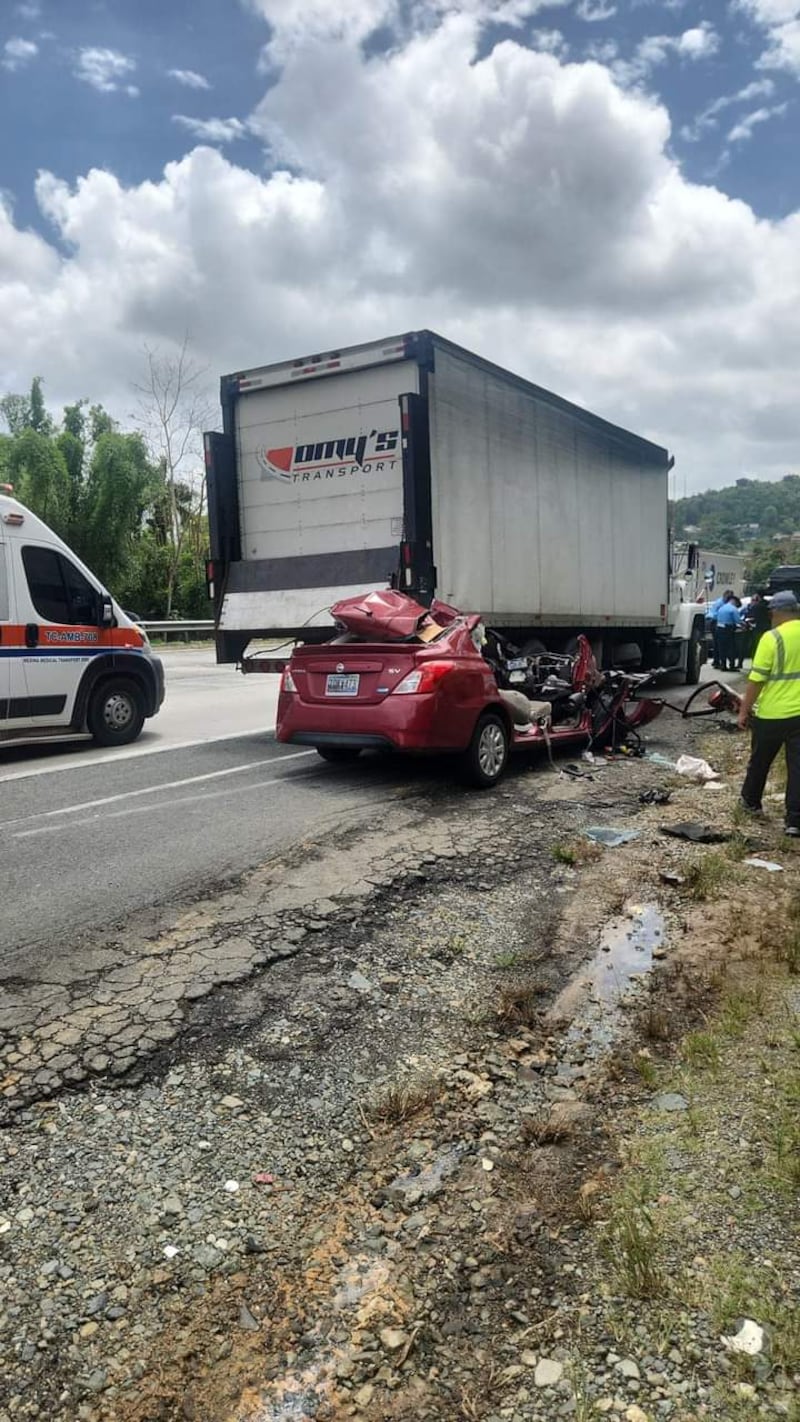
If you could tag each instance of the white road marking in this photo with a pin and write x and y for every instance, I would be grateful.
(50, 767)
(162, 805)
(156, 789)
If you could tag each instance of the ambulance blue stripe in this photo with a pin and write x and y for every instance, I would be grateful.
(68, 651)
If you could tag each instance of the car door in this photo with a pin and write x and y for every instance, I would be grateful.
(62, 635)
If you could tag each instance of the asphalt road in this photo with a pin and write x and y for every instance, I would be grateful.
(91, 836)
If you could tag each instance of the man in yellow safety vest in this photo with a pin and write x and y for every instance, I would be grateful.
(771, 704)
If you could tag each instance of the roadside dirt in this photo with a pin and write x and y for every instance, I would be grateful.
(372, 1178)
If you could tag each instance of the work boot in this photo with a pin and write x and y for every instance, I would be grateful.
(793, 831)
(755, 812)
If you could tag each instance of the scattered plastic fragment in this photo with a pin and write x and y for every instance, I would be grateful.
(658, 759)
(588, 757)
(696, 832)
(768, 864)
(611, 838)
(655, 797)
(694, 768)
(263, 1177)
(232, 1187)
(674, 880)
(749, 1339)
(170, 1251)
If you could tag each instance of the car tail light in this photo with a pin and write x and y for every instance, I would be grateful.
(423, 679)
(287, 681)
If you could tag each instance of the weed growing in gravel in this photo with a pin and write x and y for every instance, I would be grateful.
(740, 1006)
(705, 878)
(577, 851)
(701, 1049)
(545, 1130)
(647, 1070)
(403, 1099)
(742, 1289)
(784, 943)
(656, 1024)
(632, 1247)
(518, 1005)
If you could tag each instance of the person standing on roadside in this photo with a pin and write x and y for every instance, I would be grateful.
(729, 620)
(712, 623)
(772, 699)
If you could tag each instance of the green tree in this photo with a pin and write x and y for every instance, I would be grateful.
(16, 411)
(41, 478)
(119, 487)
(39, 418)
(761, 562)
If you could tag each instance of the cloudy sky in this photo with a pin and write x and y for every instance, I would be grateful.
(602, 196)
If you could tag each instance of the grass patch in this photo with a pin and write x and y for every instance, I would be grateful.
(708, 875)
(401, 1100)
(632, 1246)
(701, 1049)
(576, 851)
(647, 1070)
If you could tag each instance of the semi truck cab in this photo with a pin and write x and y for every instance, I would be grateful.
(71, 661)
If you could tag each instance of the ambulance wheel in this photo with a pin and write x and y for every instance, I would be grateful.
(116, 712)
(486, 760)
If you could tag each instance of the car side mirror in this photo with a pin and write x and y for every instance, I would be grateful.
(106, 616)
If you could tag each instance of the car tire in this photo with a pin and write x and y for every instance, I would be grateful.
(484, 764)
(116, 712)
(339, 755)
(694, 658)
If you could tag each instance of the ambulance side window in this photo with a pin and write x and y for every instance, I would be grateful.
(59, 592)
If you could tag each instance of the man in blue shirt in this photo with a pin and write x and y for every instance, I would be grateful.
(712, 623)
(729, 617)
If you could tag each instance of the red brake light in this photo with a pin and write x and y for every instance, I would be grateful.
(424, 678)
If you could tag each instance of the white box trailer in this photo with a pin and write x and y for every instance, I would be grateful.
(413, 463)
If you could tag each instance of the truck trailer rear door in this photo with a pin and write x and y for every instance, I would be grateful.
(319, 474)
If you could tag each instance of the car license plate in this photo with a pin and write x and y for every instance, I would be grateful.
(342, 685)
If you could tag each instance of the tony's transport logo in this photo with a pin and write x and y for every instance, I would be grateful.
(331, 458)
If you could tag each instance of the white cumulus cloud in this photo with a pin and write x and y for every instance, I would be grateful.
(213, 130)
(189, 78)
(529, 208)
(103, 69)
(594, 13)
(709, 116)
(743, 130)
(781, 21)
(18, 52)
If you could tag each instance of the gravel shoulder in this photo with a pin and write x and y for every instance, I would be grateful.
(410, 1157)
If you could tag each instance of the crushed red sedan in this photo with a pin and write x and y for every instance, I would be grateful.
(403, 677)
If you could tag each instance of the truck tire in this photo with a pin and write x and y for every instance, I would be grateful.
(694, 657)
(484, 764)
(116, 712)
(339, 755)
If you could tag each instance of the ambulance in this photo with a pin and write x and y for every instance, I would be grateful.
(72, 663)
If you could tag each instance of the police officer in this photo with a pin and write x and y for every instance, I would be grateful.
(712, 613)
(772, 699)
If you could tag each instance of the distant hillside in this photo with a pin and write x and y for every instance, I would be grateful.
(737, 518)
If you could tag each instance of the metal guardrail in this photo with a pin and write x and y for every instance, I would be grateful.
(201, 627)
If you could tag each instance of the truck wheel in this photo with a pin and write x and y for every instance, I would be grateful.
(484, 764)
(116, 712)
(339, 755)
(694, 657)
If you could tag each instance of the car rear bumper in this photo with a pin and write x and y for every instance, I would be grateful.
(402, 723)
